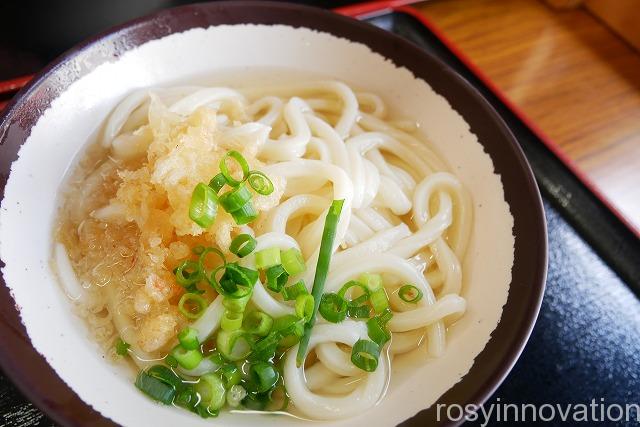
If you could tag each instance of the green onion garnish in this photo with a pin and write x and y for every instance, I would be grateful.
(202, 257)
(245, 214)
(204, 205)
(233, 345)
(276, 278)
(258, 323)
(304, 307)
(290, 328)
(242, 162)
(122, 347)
(188, 273)
(212, 392)
(159, 383)
(264, 376)
(235, 395)
(171, 361)
(377, 332)
(188, 359)
(242, 276)
(353, 284)
(410, 294)
(188, 338)
(379, 300)
(231, 375)
(358, 311)
(236, 281)
(333, 307)
(364, 355)
(265, 349)
(217, 182)
(237, 305)
(260, 183)
(236, 198)
(292, 261)
(242, 245)
(292, 292)
(231, 321)
(192, 305)
(322, 269)
(377, 294)
(267, 258)
(385, 316)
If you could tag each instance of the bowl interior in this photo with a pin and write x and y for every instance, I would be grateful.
(60, 131)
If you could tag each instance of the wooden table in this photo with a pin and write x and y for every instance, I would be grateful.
(574, 78)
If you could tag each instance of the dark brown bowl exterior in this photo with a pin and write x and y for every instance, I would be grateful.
(37, 380)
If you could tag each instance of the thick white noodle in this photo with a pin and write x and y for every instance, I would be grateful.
(324, 407)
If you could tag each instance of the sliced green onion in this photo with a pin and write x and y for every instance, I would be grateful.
(260, 183)
(171, 361)
(276, 278)
(264, 376)
(188, 359)
(265, 349)
(231, 375)
(122, 347)
(237, 305)
(379, 300)
(258, 323)
(245, 214)
(377, 332)
(165, 374)
(365, 354)
(217, 182)
(292, 292)
(197, 250)
(322, 268)
(235, 395)
(333, 307)
(217, 358)
(304, 307)
(267, 258)
(242, 162)
(192, 305)
(212, 392)
(243, 276)
(290, 328)
(205, 412)
(359, 311)
(188, 273)
(385, 316)
(188, 338)
(204, 205)
(351, 284)
(373, 282)
(225, 285)
(231, 321)
(186, 398)
(410, 294)
(292, 261)
(234, 199)
(233, 345)
(160, 385)
(285, 396)
(242, 245)
(202, 258)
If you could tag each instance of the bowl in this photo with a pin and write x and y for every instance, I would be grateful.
(46, 349)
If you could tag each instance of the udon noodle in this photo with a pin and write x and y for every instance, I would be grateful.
(125, 226)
